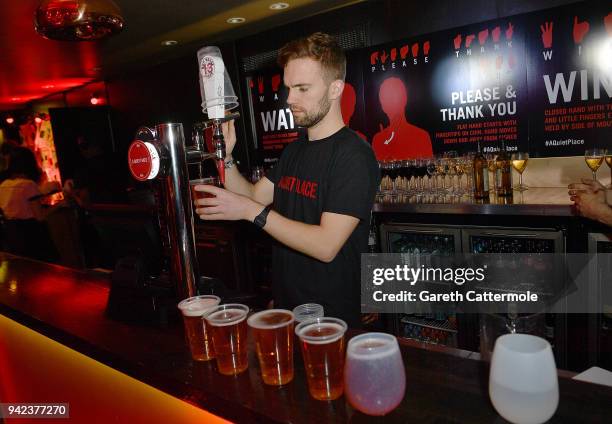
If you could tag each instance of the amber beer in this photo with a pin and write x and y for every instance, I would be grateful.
(323, 346)
(198, 336)
(273, 333)
(197, 195)
(227, 324)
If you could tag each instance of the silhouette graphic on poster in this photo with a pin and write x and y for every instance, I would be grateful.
(347, 106)
(401, 139)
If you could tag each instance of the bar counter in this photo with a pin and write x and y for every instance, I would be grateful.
(443, 385)
(532, 202)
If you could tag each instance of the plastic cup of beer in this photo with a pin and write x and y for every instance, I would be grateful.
(197, 195)
(198, 336)
(228, 327)
(307, 311)
(322, 341)
(273, 333)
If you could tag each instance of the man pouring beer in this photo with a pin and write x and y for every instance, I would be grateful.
(317, 200)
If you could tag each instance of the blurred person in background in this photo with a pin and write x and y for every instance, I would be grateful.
(25, 233)
(5, 150)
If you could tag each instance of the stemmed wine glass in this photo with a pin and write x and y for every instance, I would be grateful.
(441, 172)
(432, 172)
(519, 163)
(392, 172)
(450, 159)
(460, 170)
(594, 158)
(422, 173)
(382, 165)
(469, 174)
(408, 173)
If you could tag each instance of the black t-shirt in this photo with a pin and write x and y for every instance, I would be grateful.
(337, 174)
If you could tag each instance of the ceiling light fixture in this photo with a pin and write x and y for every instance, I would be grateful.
(168, 43)
(15, 99)
(48, 86)
(279, 6)
(77, 20)
(236, 20)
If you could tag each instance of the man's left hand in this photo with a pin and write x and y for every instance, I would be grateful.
(225, 205)
(589, 186)
(591, 205)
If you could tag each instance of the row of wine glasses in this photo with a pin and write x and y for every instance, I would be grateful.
(443, 176)
(427, 175)
(449, 177)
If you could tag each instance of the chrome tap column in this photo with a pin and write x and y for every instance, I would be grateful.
(179, 210)
(160, 153)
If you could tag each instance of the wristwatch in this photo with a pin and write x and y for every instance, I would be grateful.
(260, 220)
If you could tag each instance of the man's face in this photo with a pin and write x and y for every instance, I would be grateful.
(308, 91)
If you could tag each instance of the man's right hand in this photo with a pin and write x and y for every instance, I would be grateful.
(229, 135)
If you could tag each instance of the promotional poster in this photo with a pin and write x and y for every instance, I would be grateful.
(570, 80)
(273, 123)
(537, 83)
(449, 91)
(398, 101)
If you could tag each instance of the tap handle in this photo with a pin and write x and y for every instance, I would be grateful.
(218, 142)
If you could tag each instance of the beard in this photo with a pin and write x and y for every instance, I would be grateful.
(310, 119)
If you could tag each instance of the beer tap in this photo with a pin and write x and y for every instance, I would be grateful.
(161, 153)
(218, 98)
(197, 153)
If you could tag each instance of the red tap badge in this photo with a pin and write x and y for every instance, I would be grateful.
(143, 160)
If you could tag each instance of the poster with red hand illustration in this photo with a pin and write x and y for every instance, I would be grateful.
(450, 90)
(570, 79)
(397, 99)
(271, 117)
(479, 92)
(539, 82)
